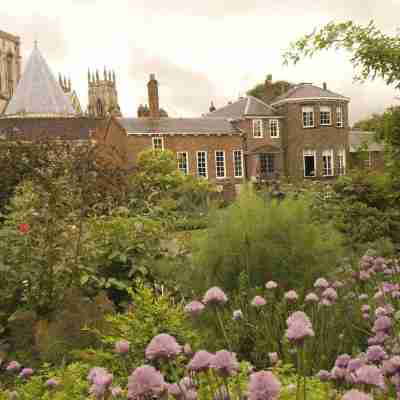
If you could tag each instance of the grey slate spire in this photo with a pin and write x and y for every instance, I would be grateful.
(38, 92)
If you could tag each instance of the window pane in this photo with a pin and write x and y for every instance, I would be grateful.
(183, 162)
(274, 127)
(202, 164)
(220, 164)
(237, 163)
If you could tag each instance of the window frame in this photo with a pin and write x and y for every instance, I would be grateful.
(341, 155)
(216, 164)
(368, 161)
(261, 125)
(270, 123)
(309, 153)
(328, 153)
(322, 111)
(339, 122)
(241, 163)
(312, 112)
(162, 142)
(205, 163)
(268, 157)
(186, 172)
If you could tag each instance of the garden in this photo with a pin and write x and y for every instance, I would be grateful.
(146, 284)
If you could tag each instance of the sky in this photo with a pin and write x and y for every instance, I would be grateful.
(200, 50)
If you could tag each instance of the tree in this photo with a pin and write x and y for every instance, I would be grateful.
(371, 124)
(374, 54)
(278, 88)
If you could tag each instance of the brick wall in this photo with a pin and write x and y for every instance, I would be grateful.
(295, 138)
(191, 144)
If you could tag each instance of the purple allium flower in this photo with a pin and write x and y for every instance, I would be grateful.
(271, 285)
(13, 366)
(342, 361)
(52, 383)
(299, 327)
(225, 363)
(379, 338)
(175, 391)
(355, 363)
(215, 295)
(26, 373)
(116, 391)
(311, 298)
(163, 346)
(263, 385)
(273, 358)
(356, 395)
(258, 301)
(324, 376)
(321, 283)
(194, 308)
(370, 375)
(376, 353)
(95, 371)
(365, 308)
(382, 324)
(200, 361)
(122, 347)
(330, 294)
(291, 295)
(237, 314)
(145, 381)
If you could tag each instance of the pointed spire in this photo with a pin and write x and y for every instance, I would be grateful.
(113, 76)
(109, 76)
(105, 73)
(88, 75)
(97, 75)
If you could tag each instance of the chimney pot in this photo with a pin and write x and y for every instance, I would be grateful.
(154, 105)
(324, 85)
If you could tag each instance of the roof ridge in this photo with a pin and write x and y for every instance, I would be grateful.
(227, 105)
(262, 102)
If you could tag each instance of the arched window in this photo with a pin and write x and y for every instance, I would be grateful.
(100, 108)
(9, 74)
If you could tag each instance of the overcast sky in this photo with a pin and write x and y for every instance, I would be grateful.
(200, 50)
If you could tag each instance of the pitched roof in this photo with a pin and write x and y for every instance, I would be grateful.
(245, 106)
(363, 140)
(307, 91)
(34, 128)
(178, 125)
(38, 92)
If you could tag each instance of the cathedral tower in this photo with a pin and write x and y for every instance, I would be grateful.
(10, 67)
(103, 95)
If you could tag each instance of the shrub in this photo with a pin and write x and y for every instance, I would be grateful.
(267, 240)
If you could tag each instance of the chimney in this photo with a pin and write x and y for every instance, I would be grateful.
(154, 105)
(269, 89)
(324, 85)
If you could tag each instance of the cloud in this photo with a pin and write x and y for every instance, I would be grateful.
(181, 89)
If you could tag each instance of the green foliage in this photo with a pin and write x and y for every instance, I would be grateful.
(370, 124)
(278, 88)
(159, 189)
(267, 240)
(374, 53)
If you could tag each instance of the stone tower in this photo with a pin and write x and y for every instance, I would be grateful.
(103, 95)
(10, 67)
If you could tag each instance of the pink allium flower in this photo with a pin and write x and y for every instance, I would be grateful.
(273, 358)
(215, 295)
(382, 324)
(342, 361)
(258, 301)
(145, 382)
(299, 327)
(356, 395)
(194, 308)
(291, 295)
(355, 363)
(324, 376)
(338, 373)
(263, 385)
(271, 285)
(370, 375)
(52, 383)
(321, 283)
(13, 366)
(122, 347)
(376, 353)
(364, 275)
(365, 308)
(365, 316)
(162, 346)
(96, 371)
(200, 361)
(116, 392)
(379, 338)
(330, 294)
(311, 298)
(225, 363)
(26, 373)
(237, 314)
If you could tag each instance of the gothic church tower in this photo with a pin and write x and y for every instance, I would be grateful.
(103, 95)
(10, 67)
